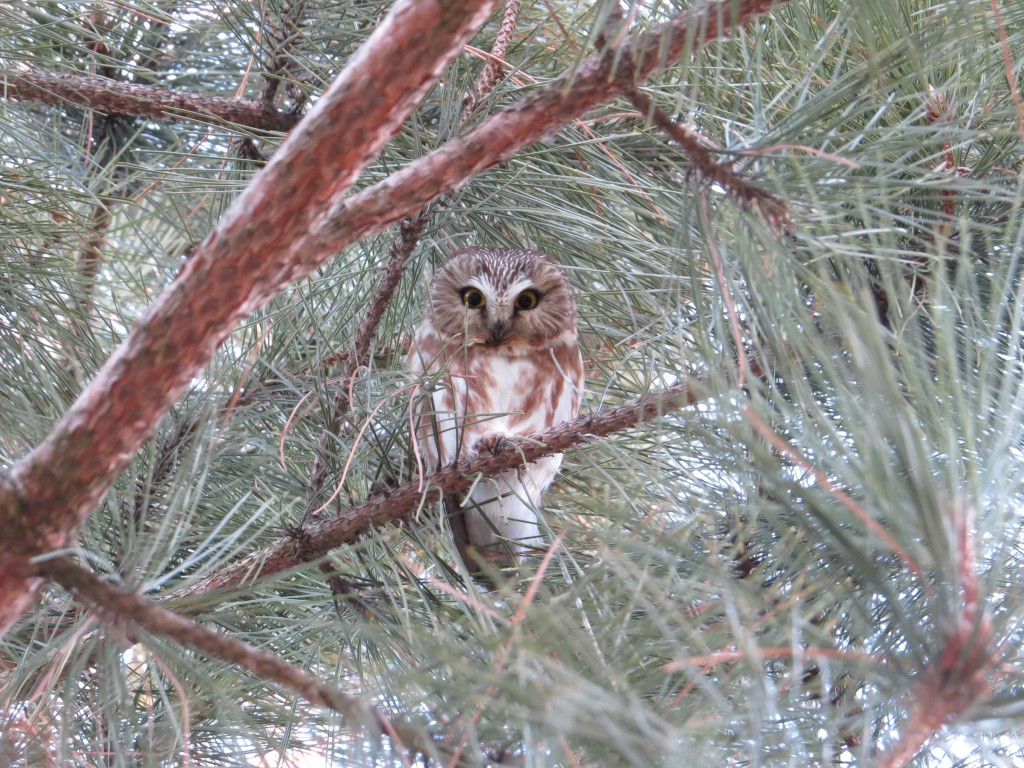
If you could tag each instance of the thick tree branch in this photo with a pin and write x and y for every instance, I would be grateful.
(241, 265)
(153, 101)
(597, 80)
(317, 537)
(114, 604)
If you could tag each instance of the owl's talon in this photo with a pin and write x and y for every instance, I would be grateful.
(492, 443)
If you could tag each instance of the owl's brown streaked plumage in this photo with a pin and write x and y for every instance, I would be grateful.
(500, 334)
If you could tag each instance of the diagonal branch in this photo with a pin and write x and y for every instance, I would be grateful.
(242, 264)
(105, 95)
(739, 187)
(317, 537)
(401, 250)
(115, 604)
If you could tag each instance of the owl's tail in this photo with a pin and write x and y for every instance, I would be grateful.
(502, 520)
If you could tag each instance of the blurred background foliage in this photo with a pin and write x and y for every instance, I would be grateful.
(766, 578)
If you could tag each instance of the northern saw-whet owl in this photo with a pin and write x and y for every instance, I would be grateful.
(498, 343)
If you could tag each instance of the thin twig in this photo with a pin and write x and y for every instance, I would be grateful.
(730, 305)
(107, 140)
(115, 604)
(708, 661)
(316, 538)
(409, 236)
(152, 101)
(737, 186)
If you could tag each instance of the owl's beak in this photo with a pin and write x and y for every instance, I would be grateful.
(498, 329)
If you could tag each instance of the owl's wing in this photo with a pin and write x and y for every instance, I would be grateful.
(569, 361)
(425, 360)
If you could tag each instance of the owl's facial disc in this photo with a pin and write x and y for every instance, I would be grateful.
(515, 300)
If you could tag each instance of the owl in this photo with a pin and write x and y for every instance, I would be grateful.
(497, 348)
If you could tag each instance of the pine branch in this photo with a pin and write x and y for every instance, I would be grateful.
(242, 264)
(317, 537)
(115, 604)
(740, 188)
(151, 101)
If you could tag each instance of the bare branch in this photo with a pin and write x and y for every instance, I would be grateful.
(241, 265)
(317, 537)
(153, 101)
(402, 249)
(115, 604)
(740, 188)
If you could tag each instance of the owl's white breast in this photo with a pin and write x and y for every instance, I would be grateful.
(495, 384)
(491, 391)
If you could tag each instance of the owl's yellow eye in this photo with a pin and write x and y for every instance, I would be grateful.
(528, 299)
(473, 298)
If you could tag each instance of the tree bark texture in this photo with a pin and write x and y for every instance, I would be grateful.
(153, 101)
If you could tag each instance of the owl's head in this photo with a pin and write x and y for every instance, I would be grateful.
(502, 298)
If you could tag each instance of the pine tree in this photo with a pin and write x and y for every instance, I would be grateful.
(787, 528)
